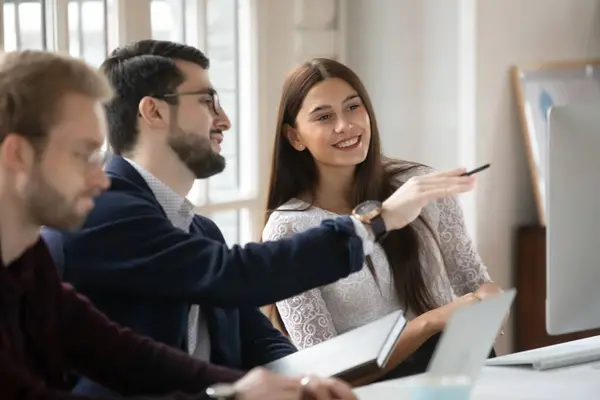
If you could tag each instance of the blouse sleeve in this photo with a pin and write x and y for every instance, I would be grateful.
(305, 316)
(464, 266)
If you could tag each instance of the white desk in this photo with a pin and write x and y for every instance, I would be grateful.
(580, 382)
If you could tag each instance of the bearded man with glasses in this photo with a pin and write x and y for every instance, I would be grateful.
(143, 256)
(150, 263)
(52, 127)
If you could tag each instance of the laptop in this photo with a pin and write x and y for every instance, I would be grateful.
(462, 349)
(349, 356)
(469, 337)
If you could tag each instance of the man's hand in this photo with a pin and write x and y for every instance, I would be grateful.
(406, 203)
(315, 388)
(260, 384)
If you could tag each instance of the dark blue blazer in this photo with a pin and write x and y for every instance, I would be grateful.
(144, 273)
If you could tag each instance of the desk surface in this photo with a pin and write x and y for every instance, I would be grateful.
(580, 382)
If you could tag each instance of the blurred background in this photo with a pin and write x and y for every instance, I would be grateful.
(438, 72)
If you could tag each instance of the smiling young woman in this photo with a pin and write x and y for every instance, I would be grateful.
(327, 159)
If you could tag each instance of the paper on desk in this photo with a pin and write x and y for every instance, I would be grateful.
(528, 384)
(383, 392)
(501, 383)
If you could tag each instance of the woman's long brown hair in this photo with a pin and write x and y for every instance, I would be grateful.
(376, 178)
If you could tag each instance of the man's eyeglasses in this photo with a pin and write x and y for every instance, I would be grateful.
(90, 159)
(211, 93)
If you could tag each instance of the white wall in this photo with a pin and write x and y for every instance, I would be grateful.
(288, 34)
(438, 72)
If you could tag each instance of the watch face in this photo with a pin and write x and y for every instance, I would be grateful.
(368, 207)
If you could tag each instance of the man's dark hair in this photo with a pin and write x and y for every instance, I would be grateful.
(143, 68)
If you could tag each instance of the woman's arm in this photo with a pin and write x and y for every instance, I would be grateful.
(464, 267)
(307, 319)
(466, 270)
(305, 316)
(488, 289)
(416, 332)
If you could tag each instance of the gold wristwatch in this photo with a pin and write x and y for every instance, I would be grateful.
(369, 213)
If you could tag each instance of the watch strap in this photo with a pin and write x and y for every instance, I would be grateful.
(378, 227)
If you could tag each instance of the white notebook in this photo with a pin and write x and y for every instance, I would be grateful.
(349, 356)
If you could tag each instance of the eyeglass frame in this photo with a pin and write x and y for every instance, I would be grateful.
(216, 103)
(96, 158)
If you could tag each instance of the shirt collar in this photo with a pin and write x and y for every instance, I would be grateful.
(179, 210)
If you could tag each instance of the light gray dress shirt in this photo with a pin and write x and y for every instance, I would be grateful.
(180, 211)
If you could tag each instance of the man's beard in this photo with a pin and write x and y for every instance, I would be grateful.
(46, 206)
(196, 153)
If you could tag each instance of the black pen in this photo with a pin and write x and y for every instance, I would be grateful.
(476, 170)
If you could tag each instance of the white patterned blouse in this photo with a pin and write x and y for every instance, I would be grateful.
(453, 269)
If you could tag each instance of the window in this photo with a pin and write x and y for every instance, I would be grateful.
(24, 25)
(226, 44)
(228, 221)
(167, 20)
(223, 49)
(89, 29)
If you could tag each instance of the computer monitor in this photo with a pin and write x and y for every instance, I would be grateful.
(573, 219)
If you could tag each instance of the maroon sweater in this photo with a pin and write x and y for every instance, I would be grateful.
(48, 331)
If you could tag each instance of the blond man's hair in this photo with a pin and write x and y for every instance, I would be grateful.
(33, 85)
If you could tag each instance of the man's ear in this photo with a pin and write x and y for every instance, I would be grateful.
(17, 153)
(154, 112)
(18, 156)
(294, 138)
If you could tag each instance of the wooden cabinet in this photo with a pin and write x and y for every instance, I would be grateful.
(530, 304)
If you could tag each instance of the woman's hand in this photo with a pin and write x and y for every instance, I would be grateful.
(438, 318)
(406, 203)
